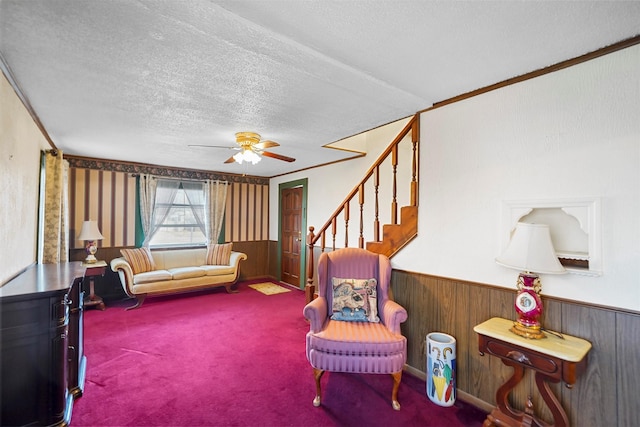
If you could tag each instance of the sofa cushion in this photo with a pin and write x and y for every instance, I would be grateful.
(139, 259)
(355, 300)
(167, 259)
(216, 270)
(186, 272)
(219, 254)
(151, 276)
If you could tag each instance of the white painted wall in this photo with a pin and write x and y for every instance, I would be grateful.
(570, 134)
(20, 144)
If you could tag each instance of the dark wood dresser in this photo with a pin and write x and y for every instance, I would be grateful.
(41, 332)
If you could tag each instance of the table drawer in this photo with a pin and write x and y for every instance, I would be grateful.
(527, 358)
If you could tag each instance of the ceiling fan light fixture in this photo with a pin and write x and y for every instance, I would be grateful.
(247, 155)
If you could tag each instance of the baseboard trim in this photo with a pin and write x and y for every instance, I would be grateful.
(462, 395)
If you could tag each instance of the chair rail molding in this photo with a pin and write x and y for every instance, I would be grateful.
(575, 226)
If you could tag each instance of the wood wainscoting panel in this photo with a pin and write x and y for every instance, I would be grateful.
(597, 326)
(605, 394)
(417, 294)
(628, 348)
(257, 262)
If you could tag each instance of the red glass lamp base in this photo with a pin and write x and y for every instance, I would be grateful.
(528, 305)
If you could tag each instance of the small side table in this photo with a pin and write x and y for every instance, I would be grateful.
(92, 271)
(553, 359)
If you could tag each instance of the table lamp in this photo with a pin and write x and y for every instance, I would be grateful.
(531, 251)
(91, 234)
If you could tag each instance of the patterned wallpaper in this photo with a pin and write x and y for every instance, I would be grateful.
(105, 191)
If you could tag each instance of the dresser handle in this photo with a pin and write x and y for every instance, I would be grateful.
(518, 357)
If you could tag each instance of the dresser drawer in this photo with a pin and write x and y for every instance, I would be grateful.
(527, 358)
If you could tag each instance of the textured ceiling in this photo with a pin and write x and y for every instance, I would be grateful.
(142, 80)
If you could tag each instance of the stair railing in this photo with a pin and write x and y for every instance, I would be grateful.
(331, 226)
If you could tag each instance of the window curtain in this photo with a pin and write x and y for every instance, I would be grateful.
(147, 188)
(195, 192)
(216, 192)
(55, 244)
(165, 192)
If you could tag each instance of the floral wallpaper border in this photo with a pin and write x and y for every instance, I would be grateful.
(139, 168)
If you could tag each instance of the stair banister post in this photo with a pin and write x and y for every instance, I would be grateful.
(346, 224)
(415, 138)
(394, 201)
(361, 202)
(333, 232)
(310, 289)
(376, 221)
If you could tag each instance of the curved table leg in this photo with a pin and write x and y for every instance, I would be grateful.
(560, 418)
(502, 395)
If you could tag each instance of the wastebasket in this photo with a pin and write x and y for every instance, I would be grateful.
(441, 368)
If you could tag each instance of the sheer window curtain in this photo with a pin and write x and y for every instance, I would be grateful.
(195, 192)
(55, 233)
(160, 194)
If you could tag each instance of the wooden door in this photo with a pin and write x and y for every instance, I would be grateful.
(291, 228)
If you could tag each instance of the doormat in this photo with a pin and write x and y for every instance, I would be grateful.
(269, 288)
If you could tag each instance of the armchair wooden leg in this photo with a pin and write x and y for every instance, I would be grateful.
(397, 376)
(317, 374)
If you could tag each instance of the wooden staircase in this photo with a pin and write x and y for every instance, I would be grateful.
(396, 234)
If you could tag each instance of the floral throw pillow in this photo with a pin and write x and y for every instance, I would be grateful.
(355, 300)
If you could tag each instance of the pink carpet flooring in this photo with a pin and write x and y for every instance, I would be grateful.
(218, 359)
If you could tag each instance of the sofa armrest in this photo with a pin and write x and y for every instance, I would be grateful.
(393, 314)
(122, 267)
(236, 257)
(316, 313)
(234, 260)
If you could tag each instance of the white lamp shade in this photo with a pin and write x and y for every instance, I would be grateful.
(90, 231)
(531, 250)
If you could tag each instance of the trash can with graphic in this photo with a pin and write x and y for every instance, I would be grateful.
(441, 368)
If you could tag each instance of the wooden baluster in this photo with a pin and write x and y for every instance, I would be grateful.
(322, 241)
(346, 225)
(361, 201)
(415, 137)
(376, 221)
(310, 289)
(333, 232)
(394, 202)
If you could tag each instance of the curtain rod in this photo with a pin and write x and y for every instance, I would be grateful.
(181, 179)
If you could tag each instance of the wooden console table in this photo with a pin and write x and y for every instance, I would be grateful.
(553, 359)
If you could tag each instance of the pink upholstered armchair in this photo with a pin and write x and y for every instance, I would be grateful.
(362, 346)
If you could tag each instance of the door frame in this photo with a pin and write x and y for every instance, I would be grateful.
(303, 242)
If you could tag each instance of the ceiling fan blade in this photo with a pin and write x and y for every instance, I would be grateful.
(278, 156)
(213, 146)
(230, 160)
(266, 144)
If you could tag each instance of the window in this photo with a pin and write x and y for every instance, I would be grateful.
(178, 214)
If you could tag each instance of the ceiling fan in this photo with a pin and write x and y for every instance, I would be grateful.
(250, 149)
